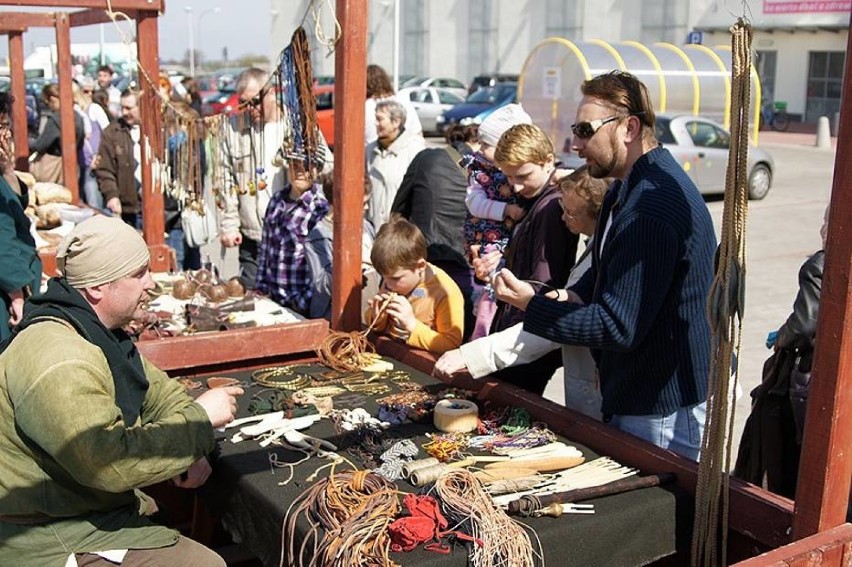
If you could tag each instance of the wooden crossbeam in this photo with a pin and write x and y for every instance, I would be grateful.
(122, 5)
(95, 16)
(20, 21)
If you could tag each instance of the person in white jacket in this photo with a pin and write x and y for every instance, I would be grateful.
(582, 196)
(388, 158)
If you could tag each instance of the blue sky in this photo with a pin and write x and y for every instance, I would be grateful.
(241, 25)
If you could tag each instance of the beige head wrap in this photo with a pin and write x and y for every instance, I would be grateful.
(101, 250)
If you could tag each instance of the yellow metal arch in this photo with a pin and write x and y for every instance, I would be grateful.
(584, 64)
(725, 73)
(656, 64)
(696, 85)
(612, 51)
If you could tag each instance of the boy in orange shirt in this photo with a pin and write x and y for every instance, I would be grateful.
(425, 307)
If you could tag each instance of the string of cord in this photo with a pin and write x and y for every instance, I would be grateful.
(347, 515)
(725, 310)
(466, 504)
(350, 351)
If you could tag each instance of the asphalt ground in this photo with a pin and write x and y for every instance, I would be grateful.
(782, 231)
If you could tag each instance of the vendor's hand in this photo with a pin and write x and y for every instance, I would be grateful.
(400, 311)
(450, 364)
(114, 204)
(231, 239)
(220, 404)
(196, 475)
(514, 212)
(484, 266)
(16, 307)
(511, 290)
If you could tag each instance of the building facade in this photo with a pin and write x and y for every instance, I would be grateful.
(464, 38)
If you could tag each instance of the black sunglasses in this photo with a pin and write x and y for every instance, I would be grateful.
(255, 101)
(586, 130)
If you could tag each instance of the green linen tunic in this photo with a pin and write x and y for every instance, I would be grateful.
(67, 461)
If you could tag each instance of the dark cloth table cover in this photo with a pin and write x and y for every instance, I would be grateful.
(633, 528)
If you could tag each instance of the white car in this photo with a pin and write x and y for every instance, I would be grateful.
(430, 103)
(454, 85)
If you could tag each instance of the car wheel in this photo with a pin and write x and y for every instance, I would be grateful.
(759, 182)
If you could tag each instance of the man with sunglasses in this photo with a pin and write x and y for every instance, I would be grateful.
(253, 167)
(641, 308)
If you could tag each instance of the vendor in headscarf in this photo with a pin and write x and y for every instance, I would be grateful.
(85, 420)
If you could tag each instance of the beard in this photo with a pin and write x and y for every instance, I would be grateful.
(604, 168)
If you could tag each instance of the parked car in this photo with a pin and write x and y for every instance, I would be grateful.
(489, 80)
(325, 112)
(701, 146)
(219, 102)
(478, 105)
(440, 82)
(430, 103)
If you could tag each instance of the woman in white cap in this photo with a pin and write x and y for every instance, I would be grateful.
(492, 207)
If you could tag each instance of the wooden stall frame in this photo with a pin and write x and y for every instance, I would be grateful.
(764, 518)
(145, 13)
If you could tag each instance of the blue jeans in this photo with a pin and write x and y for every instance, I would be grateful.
(679, 432)
(188, 257)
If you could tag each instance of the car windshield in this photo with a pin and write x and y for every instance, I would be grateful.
(493, 94)
(662, 131)
(413, 82)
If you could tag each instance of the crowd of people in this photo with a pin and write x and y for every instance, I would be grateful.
(475, 251)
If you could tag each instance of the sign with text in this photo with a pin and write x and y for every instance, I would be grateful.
(552, 83)
(805, 7)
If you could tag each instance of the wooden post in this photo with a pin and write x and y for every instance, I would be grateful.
(350, 88)
(826, 464)
(153, 219)
(19, 107)
(70, 171)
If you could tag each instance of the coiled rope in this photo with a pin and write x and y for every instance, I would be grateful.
(348, 514)
(725, 308)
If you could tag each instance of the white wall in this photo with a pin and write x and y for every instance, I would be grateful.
(791, 74)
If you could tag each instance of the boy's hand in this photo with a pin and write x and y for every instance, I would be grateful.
(514, 212)
(484, 266)
(400, 311)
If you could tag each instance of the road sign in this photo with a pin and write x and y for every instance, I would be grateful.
(695, 37)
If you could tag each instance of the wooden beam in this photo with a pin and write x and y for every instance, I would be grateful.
(350, 87)
(117, 5)
(70, 172)
(828, 548)
(19, 106)
(153, 219)
(238, 346)
(826, 463)
(23, 20)
(95, 16)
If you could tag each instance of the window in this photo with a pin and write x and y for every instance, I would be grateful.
(413, 49)
(766, 62)
(563, 19)
(447, 97)
(825, 83)
(482, 40)
(706, 135)
(424, 96)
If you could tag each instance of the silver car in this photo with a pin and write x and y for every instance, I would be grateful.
(700, 146)
(430, 103)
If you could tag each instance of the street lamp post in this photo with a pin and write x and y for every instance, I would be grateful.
(191, 41)
(215, 10)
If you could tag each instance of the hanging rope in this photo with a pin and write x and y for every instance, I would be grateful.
(725, 307)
